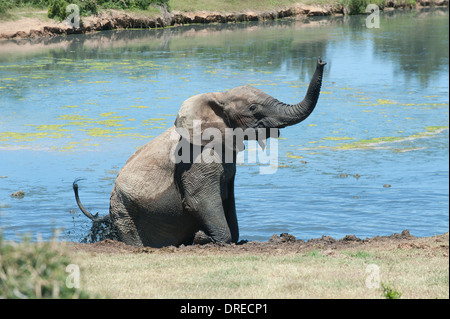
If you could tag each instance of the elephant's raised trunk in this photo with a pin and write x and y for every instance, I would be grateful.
(293, 114)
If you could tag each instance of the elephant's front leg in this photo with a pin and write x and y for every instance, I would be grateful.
(229, 207)
(230, 211)
(202, 197)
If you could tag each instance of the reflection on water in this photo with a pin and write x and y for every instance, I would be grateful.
(79, 106)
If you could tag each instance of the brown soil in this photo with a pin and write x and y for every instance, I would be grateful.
(26, 26)
(285, 244)
(114, 19)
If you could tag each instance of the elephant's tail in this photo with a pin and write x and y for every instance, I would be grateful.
(77, 198)
(102, 227)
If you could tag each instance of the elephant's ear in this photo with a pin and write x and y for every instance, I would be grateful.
(200, 113)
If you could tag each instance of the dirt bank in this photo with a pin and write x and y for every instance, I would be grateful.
(27, 27)
(285, 244)
(114, 19)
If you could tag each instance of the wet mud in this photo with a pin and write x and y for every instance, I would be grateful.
(279, 245)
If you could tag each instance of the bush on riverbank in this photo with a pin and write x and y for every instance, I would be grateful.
(359, 6)
(35, 270)
(57, 8)
(4, 6)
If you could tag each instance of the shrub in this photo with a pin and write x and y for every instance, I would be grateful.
(4, 6)
(359, 6)
(57, 9)
(130, 4)
(389, 292)
(87, 7)
(35, 270)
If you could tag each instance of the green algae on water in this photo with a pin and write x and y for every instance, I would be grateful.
(373, 142)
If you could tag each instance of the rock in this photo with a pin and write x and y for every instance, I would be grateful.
(19, 34)
(406, 234)
(275, 239)
(18, 194)
(283, 238)
(350, 238)
(323, 240)
(283, 13)
(441, 3)
(328, 239)
(310, 10)
(318, 12)
(251, 16)
(230, 17)
(106, 24)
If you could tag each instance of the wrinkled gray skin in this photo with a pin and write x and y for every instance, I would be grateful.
(156, 202)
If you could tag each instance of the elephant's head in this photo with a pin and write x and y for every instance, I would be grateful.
(244, 107)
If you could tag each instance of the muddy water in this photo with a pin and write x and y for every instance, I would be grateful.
(371, 160)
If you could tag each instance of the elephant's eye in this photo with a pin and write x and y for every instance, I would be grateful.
(253, 107)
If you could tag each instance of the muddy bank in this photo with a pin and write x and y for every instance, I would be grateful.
(113, 19)
(284, 244)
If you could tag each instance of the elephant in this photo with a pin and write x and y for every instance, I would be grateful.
(157, 201)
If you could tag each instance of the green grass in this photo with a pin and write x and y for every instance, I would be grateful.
(406, 272)
(360, 254)
(17, 13)
(8, 5)
(389, 292)
(228, 6)
(352, 6)
(412, 269)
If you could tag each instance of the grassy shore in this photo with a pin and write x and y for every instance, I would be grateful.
(417, 268)
(17, 9)
(396, 266)
(11, 9)
(241, 5)
(180, 5)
